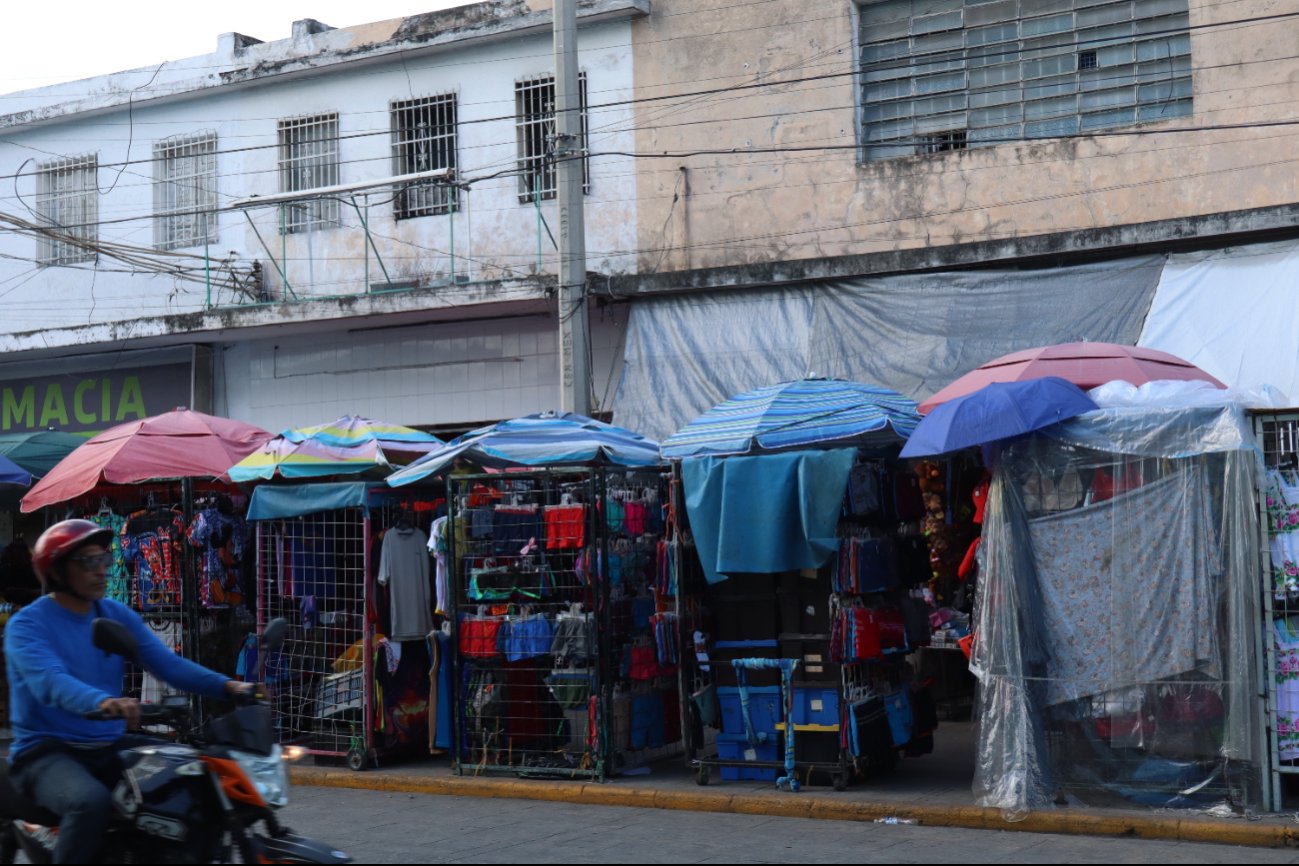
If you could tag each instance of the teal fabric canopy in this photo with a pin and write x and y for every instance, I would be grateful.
(272, 501)
(768, 513)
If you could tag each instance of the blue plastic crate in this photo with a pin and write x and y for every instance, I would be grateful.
(901, 719)
(816, 706)
(736, 748)
(765, 711)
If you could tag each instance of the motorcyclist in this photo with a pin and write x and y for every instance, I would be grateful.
(59, 759)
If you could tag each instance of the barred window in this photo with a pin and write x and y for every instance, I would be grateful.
(184, 191)
(424, 139)
(309, 160)
(949, 74)
(67, 203)
(534, 103)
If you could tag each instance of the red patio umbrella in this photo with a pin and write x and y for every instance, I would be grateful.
(177, 444)
(1087, 365)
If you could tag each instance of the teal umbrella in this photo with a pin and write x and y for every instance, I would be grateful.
(39, 450)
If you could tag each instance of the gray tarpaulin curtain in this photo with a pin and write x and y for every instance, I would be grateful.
(913, 333)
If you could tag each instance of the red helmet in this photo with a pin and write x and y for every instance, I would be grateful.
(62, 539)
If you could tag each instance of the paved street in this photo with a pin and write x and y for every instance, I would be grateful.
(377, 827)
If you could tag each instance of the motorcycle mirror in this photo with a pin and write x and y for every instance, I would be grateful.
(111, 636)
(274, 634)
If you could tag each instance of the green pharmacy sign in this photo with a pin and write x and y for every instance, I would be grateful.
(86, 402)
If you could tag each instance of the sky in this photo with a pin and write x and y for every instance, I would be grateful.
(92, 37)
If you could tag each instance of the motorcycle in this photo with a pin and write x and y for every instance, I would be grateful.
(197, 799)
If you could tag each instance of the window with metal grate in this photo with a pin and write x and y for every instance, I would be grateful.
(424, 139)
(184, 191)
(67, 207)
(309, 160)
(534, 102)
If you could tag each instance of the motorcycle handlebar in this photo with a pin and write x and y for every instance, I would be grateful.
(149, 713)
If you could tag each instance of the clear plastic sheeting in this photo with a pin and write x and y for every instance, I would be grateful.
(913, 333)
(1117, 614)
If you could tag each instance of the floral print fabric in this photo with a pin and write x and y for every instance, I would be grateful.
(1283, 531)
(1287, 689)
(1128, 588)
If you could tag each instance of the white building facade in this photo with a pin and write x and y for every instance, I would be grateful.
(131, 237)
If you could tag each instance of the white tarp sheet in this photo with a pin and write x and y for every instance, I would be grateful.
(1232, 312)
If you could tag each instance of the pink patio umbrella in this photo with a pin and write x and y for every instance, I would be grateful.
(174, 445)
(1086, 365)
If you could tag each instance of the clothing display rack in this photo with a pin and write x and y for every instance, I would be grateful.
(566, 639)
(357, 677)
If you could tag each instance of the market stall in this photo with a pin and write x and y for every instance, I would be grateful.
(361, 675)
(556, 568)
(346, 563)
(179, 537)
(806, 581)
(1117, 613)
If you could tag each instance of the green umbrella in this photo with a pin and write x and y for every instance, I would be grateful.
(38, 451)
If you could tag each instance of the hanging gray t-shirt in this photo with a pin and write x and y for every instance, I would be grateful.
(403, 567)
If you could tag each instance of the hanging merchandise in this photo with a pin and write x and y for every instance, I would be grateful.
(404, 570)
(568, 660)
(119, 577)
(358, 678)
(151, 545)
(220, 535)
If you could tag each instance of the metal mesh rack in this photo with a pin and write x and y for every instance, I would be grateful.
(332, 690)
(567, 650)
(1278, 433)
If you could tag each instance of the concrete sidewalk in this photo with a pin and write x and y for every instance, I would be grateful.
(933, 791)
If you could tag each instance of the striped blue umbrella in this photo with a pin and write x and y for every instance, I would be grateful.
(797, 414)
(544, 439)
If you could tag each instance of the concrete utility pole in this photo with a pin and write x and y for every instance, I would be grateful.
(574, 325)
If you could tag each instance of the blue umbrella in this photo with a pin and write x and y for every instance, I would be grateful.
(12, 473)
(797, 414)
(997, 411)
(544, 439)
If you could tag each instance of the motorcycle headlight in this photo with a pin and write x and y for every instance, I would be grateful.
(269, 773)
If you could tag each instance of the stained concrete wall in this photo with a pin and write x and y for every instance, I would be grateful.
(748, 207)
(459, 373)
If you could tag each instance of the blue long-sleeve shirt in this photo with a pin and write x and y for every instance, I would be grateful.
(56, 675)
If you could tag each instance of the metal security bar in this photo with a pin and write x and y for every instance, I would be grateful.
(184, 191)
(1016, 69)
(424, 139)
(67, 202)
(1278, 432)
(534, 102)
(309, 160)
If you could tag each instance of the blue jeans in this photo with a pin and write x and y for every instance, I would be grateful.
(76, 785)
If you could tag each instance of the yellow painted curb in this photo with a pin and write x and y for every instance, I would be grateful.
(805, 805)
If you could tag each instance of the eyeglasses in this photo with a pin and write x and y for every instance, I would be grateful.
(89, 563)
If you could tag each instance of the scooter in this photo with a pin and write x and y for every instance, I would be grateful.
(198, 799)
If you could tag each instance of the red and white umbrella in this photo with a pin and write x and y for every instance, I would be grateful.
(1086, 365)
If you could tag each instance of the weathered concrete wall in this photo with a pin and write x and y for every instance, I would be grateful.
(449, 374)
(749, 207)
(243, 90)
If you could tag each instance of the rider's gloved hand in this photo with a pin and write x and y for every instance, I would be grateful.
(122, 708)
